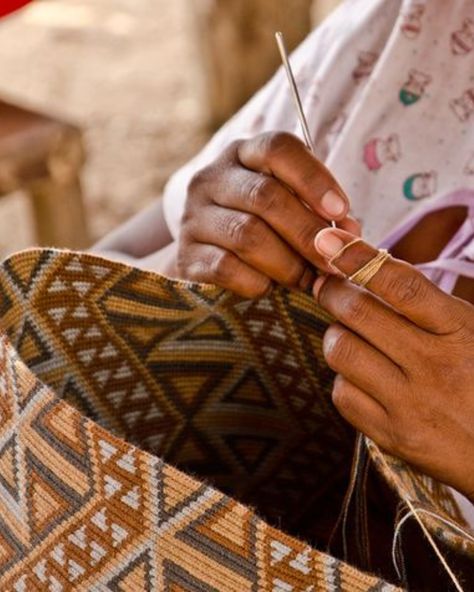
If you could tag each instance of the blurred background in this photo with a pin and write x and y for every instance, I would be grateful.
(101, 100)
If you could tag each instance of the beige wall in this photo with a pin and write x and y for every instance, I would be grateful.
(322, 8)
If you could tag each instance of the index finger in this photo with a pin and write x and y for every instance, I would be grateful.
(398, 283)
(286, 157)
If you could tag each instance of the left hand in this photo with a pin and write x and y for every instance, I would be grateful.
(404, 354)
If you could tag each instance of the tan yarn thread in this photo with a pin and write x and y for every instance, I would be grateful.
(363, 276)
(414, 513)
(344, 249)
(344, 513)
(408, 515)
(367, 272)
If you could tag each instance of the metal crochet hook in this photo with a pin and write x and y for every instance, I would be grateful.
(296, 96)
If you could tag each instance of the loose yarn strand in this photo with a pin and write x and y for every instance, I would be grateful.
(343, 514)
(434, 546)
(402, 521)
(402, 572)
(412, 511)
(395, 541)
(362, 524)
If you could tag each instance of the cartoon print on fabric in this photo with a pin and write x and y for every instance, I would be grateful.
(365, 66)
(463, 106)
(462, 40)
(335, 127)
(414, 88)
(420, 185)
(412, 21)
(469, 166)
(379, 151)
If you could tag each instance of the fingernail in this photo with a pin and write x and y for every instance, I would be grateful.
(318, 284)
(307, 280)
(333, 204)
(328, 243)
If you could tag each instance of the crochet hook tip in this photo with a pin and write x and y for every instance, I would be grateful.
(296, 96)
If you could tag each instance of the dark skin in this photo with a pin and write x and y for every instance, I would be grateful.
(404, 353)
(235, 229)
(251, 219)
(244, 200)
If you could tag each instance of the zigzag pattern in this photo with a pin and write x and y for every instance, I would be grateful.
(109, 379)
(221, 388)
(83, 510)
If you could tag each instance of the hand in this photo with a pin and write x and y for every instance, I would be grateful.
(404, 354)
(252, 215)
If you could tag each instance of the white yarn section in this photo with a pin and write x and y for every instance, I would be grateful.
(408, 515)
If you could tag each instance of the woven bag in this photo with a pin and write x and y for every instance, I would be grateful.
(160, 435)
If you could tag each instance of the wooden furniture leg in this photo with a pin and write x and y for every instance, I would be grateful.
(239, 54)
(43, 156)
(56, 198)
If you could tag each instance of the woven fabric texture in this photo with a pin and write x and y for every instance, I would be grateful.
(135, 411)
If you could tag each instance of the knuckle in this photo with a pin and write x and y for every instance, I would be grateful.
(181, 260)
(199, 180)
(190, 267)
(244, 231)
(325, 291)
(305, 235)
(311, 177)
(192, 221)
(355, 305)
(260, 288)
(233, 147)
(294, 273)
(408, 291)
(221, 267)
(405, 442)
(340, 395)
(338, 347)
(263, 194)
(458, 320)
(189, 216)
(277, 144)
(440, 367)
(279, 140)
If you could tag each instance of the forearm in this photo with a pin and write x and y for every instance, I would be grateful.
(162, 261)
(139, 238)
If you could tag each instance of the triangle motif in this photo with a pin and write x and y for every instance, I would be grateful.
(24, 276)
(250, 390)
(145, 335)
(211, 328)
(7, 552)
(178, 490)
(137, 575)
(229, 527)
(45, 503)
(30, 347)
(190, 383)
(65, 423)
(9, 469)
(251, 451)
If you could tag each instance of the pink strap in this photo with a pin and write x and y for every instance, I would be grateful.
(455, 259)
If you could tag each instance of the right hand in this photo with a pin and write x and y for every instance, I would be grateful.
(252, 215)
